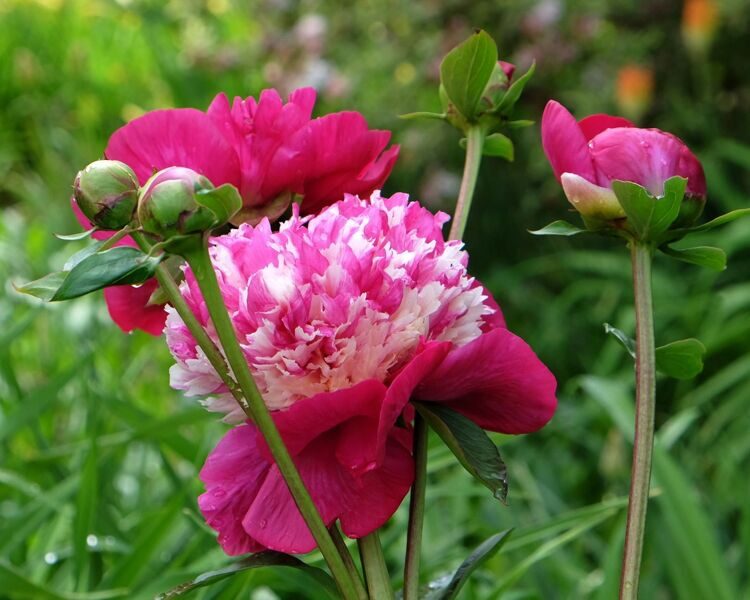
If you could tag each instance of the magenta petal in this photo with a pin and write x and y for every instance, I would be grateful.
(593, 125)
(380, 492)
(233, 474)
(400, 390)
(647, 157)
(564, 143)
(129, 309)
(497, 381)
(363, 503)
(307, 419)
(689, 166)
(182, 137)
(508, 69)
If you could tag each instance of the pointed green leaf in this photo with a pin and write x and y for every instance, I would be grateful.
(73, 237)
(268, 558)
(558, 228)
(44, 288)
(224, 201)
(471, 446)
(514, 92)
(465, 71)
(649, 216)
(519, 124)
(717, 222)
(423, 115)
(627, 342)
(448, 590)
(705, 256)
(117, 266)
(682, 359)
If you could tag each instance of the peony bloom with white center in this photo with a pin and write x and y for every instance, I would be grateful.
(343, 318)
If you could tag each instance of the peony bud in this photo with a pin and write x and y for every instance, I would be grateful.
(498, 84)
(167, 206)
(106, 191)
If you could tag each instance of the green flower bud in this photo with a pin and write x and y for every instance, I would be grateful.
(168, 206)
(107, 193)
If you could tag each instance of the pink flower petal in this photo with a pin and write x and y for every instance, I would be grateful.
(129, 309)
(233, 474)
(496, 381)
(593, 125)
(182, 137)
(565, 144)
(647, 157)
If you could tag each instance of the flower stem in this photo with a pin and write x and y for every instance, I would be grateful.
(416, 511)
(643, 445)
(474, 143)
(373, 562)
(200, 262)
(214, 356)
(348, 561)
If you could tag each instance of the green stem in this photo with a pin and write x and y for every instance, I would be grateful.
(645, 400)
(474, 144)
(200, 262)
(373, 562)
(214, 356)
(416, 511)
(111, 241)
(348, 561)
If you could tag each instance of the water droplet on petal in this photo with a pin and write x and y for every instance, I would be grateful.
(262, 523)
(219, 493)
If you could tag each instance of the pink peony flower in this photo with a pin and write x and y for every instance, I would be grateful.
(587, 156)
(282, 152)
(344, 317)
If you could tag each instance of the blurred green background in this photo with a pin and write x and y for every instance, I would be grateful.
(99, 458)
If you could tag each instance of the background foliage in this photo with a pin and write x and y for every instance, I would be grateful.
(99, 458)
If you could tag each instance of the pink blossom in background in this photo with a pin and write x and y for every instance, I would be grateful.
(344, 317)
(283, 152)
(267, 149)
(587, 156)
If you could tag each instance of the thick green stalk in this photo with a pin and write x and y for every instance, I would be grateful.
(373, 562)
(200, 262)
(214, 356)
(474, 144)
(645, 400)
(416, 511)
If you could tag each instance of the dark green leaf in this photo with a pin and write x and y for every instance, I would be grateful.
(268, 558)
(44, 288)
(514, 92)
(224, 201)
(627, 342)
(448, 590)
(705, 256)
(649, 216)
(423, 115)
(73, 237)
(82, 254)
(117, 266)
(682, 359)
(465, 71)
(559, 228)
(471, 445)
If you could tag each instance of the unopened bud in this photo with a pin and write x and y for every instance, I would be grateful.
(106, 191)
(168, 207)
